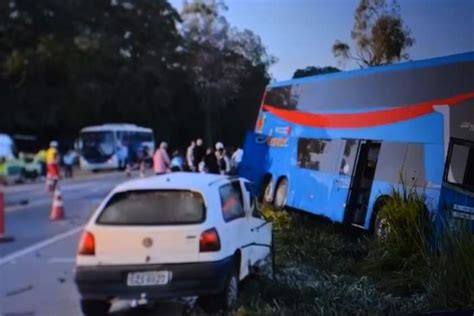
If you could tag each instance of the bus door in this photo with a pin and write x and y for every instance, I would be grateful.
(253, 162)
(361, 182)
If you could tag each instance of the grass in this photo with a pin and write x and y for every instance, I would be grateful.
(451, 283)
(325, 269)
(400, 262)
(318, 274)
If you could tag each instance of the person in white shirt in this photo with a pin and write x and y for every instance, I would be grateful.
(236, 159)
(190, 157)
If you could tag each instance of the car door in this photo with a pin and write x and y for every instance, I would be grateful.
(236, 231)
(259, 229)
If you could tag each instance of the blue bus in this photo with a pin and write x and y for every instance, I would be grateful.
(336, 145)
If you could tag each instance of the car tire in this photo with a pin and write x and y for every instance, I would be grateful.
(281, 195)
(95, 307)
(225, 300)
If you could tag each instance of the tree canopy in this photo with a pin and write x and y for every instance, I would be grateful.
(313, 71)
(66, 64)
(379, 34)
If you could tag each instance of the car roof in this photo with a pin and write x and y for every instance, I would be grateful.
(175, 180)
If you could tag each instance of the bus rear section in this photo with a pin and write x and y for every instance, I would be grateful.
(340, 154)
(457, 192)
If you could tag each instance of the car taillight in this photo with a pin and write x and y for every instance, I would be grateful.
(86, 244)
(209, 241)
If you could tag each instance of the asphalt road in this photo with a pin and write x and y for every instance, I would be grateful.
(36, 269)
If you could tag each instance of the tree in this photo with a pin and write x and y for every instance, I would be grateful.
(219, 58)
(313, 71)
(69, 63)
(379, 33)
(66, 64)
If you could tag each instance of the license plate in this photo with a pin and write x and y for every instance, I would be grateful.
(148, 278)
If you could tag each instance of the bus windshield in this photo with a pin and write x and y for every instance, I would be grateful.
(97, 144)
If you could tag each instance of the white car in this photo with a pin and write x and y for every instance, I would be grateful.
(169, 236)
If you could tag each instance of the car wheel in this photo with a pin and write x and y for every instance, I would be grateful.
(227, 299)
(95, 307)
(268, 192)
(281, 194)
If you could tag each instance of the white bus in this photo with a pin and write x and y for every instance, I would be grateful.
(100, 145)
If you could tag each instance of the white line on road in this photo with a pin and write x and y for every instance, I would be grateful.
(39, 245)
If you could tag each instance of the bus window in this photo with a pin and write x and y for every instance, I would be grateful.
(282, 97)
(461, 165)
(145, 137)
(349, 156)
(309, 151)
(318, 154)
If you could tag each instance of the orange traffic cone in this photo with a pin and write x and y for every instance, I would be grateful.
(3, 238)
(57, 210)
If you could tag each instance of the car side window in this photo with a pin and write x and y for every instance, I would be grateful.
(231, 201)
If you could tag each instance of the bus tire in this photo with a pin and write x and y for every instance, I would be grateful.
(281, 194)
(267, 190)
(378, 227)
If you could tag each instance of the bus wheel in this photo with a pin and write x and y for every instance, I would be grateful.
(268, 192)
(380, 227)
(281, 194)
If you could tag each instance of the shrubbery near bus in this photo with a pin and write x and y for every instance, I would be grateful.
(325, 269)
(400, 260)
(451, 282)
(409, 259)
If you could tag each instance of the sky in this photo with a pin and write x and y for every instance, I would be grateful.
(300, 33)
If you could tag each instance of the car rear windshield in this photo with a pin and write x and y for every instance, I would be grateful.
(163, 207)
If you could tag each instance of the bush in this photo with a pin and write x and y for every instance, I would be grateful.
(400, 261)
(451, 283)
(406, 260)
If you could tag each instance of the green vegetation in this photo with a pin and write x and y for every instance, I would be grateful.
(318, 273)
(400, 261)
(325, 269)
(379, 34)
(67, 64)
(451, 282)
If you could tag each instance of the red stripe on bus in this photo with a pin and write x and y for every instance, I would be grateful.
(367, 119)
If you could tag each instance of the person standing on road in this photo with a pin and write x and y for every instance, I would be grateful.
(161, 160)
(142, 159)
(52, 166)
(3, 170)
(41, 158)
(121, 156)
(236, 159)
(221, 159)
(210, 160)
(198, 152)
(177, 162)
(68, 160)
(190, 157)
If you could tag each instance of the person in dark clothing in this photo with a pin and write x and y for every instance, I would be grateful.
(210, 160)
(143, 157)
(199, 152)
